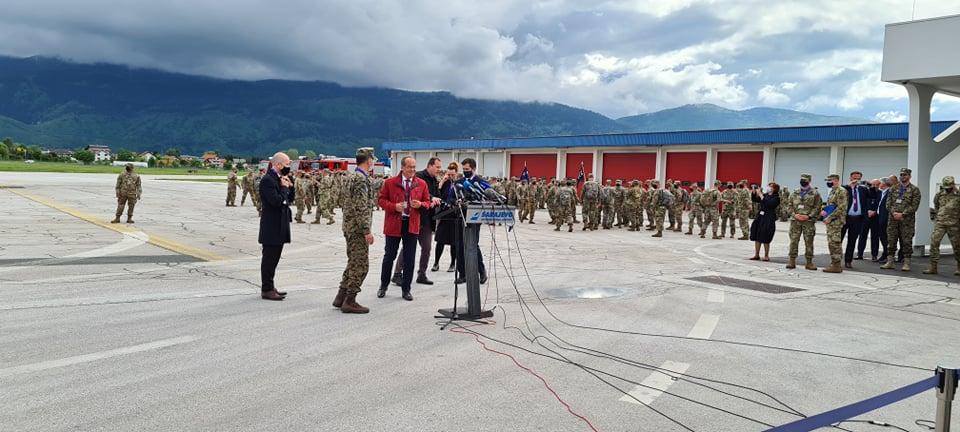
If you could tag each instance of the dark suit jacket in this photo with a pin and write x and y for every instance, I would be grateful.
(866, 199)
(883, 216)
(433, 187)
(275, 221)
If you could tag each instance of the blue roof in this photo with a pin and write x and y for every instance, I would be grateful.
(857, 132)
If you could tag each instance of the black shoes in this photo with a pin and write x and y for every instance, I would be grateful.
(422, 279)
(452, 268)
(397, 279)
(382, 292)
(436, 267)
(460, 280)
(407, 296)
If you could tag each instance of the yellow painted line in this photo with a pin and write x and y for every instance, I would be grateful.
(167, 244)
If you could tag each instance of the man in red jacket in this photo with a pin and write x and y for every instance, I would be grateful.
(400, 198)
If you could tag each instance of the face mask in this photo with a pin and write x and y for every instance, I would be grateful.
(904, 179)
(729, 186)
(467, 174)
(285, 170)
(804, 183)
(829, 184)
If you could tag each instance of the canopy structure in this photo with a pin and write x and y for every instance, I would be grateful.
(921, 56)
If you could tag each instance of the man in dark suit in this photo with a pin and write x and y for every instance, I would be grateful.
(859, 200)
(425, 237)
(469, 165)
(275, 195)
(872, 225)
(883, 217)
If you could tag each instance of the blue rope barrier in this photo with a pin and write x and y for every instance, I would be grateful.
(856, 409)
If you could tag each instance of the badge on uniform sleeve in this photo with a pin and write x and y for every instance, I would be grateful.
(800, 206)
(899, 201)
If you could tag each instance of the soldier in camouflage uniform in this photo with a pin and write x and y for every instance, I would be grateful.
(511, 188)
(606, 205)
(566, 199)
(128, 192)
(947, 222)
(232, 188)
(532, 200)
(619, 211)
(903, 201)
(255, 193)
(744, 209)
(631, 206)
(784, 208)
(247, 185)
(575, 202)
(541, 193)
(591, 204)
(837, 199)
(300, 195)
(648, 203)
(552, 190)
(357, 216)
(696, 209)
(661, 200)
(520, 197)
(668, 186)
(308, 196)
(804, 207)
(729, 213)
(325, 191)
(708, 204)
(680, 200)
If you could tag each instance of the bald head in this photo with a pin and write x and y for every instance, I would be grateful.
(280, 160)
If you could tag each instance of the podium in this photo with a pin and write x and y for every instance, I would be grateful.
(472, 216)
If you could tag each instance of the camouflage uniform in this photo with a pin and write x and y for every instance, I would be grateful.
(680, 200)
(300, 186)
(671, 217)
(591, 205)
(521, 200)
(904, 199)
(357, 216)
(744, 209)
(255, 193)
(232, 189)
(128, 193)
(947, 222)
(573, 204)
(729, 212)
(566, 199)
(551, 198)
(541, 194)
(648, 205)
(606, 204)
(659, 202)
(619, 205)
(325, 191)
(247, 185)
(708, 203)
(784, 208)
(532, 201)
(696, 211)
(631, 206)
(835, 221)
(803, 202)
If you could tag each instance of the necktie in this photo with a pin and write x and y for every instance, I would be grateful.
(406, 196)
(856, 195)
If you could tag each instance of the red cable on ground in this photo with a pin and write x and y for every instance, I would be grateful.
(530, 371)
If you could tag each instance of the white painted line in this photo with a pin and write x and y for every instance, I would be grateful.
(704, 327)
(654, 385)
(86, 358)
(696, 260)
(129, 241)
(715, 296)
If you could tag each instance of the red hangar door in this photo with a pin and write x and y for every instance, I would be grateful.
(686, 166)
(629, 166)
(732, 166)
(538, 164)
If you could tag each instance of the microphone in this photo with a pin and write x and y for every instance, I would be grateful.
(468, 185)
(492, 195)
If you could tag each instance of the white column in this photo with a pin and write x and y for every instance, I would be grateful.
(506, 164)
(711, 169)
(480, 163)
(561, 163)
(596, 167)
(661, 164)
(767, 174)
(836, 159)
(922, 155)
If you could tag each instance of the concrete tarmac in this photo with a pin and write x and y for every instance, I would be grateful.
(158, 326)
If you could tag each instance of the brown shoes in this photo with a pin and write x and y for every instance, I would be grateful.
(272, 295)
(792, 263)
(338, 300)
(350, 305)
(833, 268)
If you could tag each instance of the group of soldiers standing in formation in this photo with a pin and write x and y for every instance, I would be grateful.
(614, 205)
(323, 190)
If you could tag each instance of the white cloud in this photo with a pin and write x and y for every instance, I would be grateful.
(775, 94)
(890, 117)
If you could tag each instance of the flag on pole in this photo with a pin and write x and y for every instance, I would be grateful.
(581, 177)
(525, 175)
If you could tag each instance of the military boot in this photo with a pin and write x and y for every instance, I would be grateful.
(906, 264)
(792, 263)
(716, 237)
(723, 232)
(670, 228)
(350, 305)
(557, 228)
(744, 237)
(129, 219)
(338, 300)
(570, 228)
(689, 231)
(931, 269)
(810, 265)
(116, 220)
(658, 234)
(834, 267)
(889, 263)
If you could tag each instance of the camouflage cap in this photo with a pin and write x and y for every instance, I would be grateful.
(906, 171)
(833, 177)
(655, 182)
(717, 182)
(367, 151)
(947, 181)
(129, 165)
(806, 177)
(634, 183)
(620, 181)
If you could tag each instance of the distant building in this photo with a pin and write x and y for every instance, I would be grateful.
(61, 152)
(214, 162)
(146, 156)
(167, 160)
(188, 158)
(100, 152)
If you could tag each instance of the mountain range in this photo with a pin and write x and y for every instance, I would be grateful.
(58, 103)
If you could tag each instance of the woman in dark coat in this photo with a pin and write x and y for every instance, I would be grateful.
(446, 232)
(765, 224)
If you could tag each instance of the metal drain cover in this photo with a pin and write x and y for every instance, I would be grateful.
(746, 284)
(586, 293)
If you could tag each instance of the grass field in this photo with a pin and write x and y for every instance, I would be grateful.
(20, 166)
(205, 180)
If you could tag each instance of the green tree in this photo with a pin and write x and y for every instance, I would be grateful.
(4, 150)
(85, 156)
(196, 163)
(310, 154)
(227, 166)
(173, 152)
(152, 162)
(34, 152)
(126, 155)
(293, 153)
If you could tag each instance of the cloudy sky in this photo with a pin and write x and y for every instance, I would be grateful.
(614, 57)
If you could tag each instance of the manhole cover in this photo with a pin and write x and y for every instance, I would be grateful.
(586, 293)
(746, 284)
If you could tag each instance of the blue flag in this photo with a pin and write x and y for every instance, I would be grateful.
(525, 175)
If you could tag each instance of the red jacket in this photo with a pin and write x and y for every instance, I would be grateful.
(391, 194)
